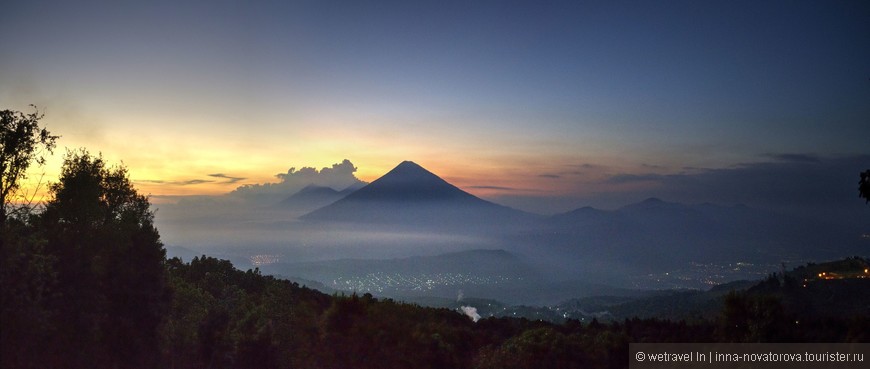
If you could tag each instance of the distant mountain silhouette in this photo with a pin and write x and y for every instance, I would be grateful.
(652, 204)
(410, 195)
(311, 197)
(662, 233)
(314, 197)
(352, 188)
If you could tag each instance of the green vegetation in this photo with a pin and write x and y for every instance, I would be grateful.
(91, 266)
(85, 283)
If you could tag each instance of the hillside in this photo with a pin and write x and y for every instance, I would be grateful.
(831, 289)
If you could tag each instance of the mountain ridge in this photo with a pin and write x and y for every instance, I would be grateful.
(411, 195)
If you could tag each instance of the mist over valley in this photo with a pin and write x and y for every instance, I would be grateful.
(411, 235)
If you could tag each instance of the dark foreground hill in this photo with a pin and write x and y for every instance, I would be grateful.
(831, 289)
(221, 317)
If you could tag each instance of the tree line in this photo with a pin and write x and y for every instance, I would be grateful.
(85, 283)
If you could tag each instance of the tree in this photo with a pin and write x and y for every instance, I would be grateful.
(753, 318)
(27, 281)
(111, 283)
(864, 186)
(26, 270)
(22, 143)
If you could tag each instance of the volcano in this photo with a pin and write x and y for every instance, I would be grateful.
(411, 195)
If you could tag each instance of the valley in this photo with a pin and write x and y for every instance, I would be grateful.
(412, 236)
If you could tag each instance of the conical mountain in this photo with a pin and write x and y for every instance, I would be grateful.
(409, 182)
(411, 195)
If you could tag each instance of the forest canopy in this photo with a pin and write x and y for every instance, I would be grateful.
(85, 283)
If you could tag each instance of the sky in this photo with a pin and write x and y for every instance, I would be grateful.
(541, 105)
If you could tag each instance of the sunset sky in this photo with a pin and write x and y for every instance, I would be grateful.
(502, 98)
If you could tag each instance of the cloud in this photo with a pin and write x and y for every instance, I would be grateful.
(652, 166)
(339, 176)
(585, 166)
(632, 178)
(795, 158)
(176, 183)
(554, 176)
(498, 188)
(193, 182)
(229, 179)
(582, 170)
(189, 182)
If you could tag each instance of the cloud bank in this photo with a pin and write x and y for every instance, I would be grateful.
(207, 219)
(338, 177)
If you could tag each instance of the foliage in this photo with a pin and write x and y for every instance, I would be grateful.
(27, 286)
(84, 281)
(86, 284)
(22, 142)
(111, 273)
(748, 319)
(864, 186)
(222, 317)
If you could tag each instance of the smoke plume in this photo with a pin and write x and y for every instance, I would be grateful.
(471, 312)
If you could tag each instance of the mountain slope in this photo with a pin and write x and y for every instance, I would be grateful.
(660, 233)
(410, 195)
(311, 197)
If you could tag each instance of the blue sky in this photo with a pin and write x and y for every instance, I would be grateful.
(487, 94)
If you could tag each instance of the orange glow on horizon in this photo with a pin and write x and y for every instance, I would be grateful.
(168, 160)
(213, 172)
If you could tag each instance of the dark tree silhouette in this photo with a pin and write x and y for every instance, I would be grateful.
(110, 268)
(22, 142)
(864, 186)
(26, 271)
(27, 281)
